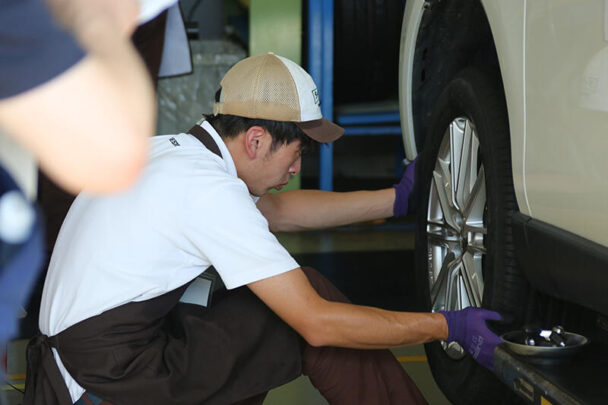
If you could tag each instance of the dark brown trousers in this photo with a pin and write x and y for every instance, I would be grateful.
(231, 353)
(349, 376)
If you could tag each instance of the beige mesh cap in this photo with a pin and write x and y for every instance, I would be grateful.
(274, 88)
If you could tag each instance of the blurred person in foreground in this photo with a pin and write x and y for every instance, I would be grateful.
(74, 91)
(76, 95)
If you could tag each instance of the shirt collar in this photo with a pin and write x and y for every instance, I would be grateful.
(226, 156)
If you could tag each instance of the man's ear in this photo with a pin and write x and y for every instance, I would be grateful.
(254, 139)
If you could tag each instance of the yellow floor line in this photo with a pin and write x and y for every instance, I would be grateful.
(9, 388)
(411, 359)
(11, 378)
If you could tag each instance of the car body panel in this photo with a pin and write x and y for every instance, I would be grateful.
(506, 20)
(414, 9)
(565, 166)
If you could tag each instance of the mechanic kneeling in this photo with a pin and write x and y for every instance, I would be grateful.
(111, 318)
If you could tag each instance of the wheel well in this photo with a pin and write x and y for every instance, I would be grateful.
(453, 34)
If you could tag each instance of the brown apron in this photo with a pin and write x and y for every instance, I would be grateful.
(162, 351)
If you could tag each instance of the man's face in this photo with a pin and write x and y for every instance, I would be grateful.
(276, 167)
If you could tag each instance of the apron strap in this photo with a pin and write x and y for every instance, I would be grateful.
(41, 366)
(205, 138)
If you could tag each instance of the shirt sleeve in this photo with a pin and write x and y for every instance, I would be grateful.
(33, 49)
(233, 235)
(149, 9)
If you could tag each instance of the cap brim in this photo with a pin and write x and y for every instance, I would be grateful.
(321, 130)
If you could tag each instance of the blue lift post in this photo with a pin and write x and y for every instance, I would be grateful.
(320, 56)
(320, 67)
(363, 123)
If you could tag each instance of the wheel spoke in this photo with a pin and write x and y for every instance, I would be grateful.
(475, 228)
(475, 238)
(439, 225)
(472, 278)
(474, 174)
(475, 205)
(441, 288)
(441, 234)
(444, 192)
(478, 249)
(455, 294)
(466, 172)
(442, 240)
(456, 142)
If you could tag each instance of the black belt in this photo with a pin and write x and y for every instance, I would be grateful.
(205, 138)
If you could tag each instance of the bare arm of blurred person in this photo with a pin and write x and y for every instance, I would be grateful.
(86, 118)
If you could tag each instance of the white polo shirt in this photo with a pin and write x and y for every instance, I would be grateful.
(187, 211)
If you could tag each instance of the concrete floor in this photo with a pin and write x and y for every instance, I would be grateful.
(361, 260)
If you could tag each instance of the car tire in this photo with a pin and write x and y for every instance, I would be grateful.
(366, 54)
(464, 248)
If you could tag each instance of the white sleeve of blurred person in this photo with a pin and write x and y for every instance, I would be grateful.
(148, 9)
(88, 126)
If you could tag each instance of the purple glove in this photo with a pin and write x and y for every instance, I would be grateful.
(468, 328)
(403, 190)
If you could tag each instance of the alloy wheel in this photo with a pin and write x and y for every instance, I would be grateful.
(455, 224)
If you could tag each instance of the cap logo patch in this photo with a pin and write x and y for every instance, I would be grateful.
(315, 96)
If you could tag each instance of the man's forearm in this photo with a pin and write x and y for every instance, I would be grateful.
(326, 323)
(314, 209)
(341, 326)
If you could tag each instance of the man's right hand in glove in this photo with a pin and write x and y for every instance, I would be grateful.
(468, 328)
(404, 189)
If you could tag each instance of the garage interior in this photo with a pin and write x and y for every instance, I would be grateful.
(353, 55)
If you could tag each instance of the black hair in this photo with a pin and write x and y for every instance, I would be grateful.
(282, 132)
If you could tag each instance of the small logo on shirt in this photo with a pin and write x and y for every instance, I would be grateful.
(174, 141)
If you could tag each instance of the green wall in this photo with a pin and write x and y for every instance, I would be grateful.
(276, 26)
